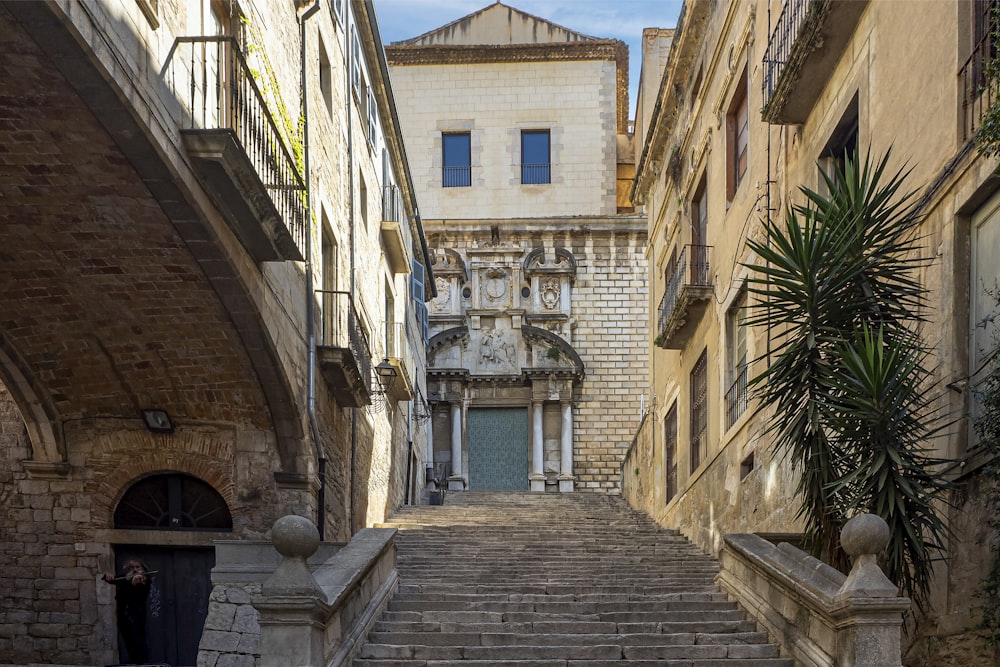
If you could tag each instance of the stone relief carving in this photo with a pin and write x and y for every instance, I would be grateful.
(442, 302)
(494, 286)
(550, 294)
(496, 351)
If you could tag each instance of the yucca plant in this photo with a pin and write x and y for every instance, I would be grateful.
(836, 284)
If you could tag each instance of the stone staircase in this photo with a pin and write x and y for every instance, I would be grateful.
(555, 580)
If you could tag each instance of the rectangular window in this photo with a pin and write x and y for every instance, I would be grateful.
(670, 452)
(325, 77)
(535, 157)
(985, 274)
(417, 296)
(363, 200)
(737, 137)
(372, 119)
(736, 363)
(355, 60)
(699, 214)
(456, 159)
(699, 411)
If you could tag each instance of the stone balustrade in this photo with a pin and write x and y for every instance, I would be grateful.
(299, 602)
(820, 617)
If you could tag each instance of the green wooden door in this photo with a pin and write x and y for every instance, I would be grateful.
(498, 449)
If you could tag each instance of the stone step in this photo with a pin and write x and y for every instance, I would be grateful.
(562, 607)
(555, 580)
(462, 625)
(432, 638)
(570, 652)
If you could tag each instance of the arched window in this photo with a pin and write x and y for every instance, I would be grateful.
(172, 501)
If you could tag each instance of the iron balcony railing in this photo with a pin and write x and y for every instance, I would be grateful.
(978, 90)
(341, 328)
(455, 177)
(218, 91)
(692, 270)
(392, 204)
(533, 174)
(736, 397)
(779, 46)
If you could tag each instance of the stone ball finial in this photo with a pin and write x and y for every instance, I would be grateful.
(295, 536)
(865, 534)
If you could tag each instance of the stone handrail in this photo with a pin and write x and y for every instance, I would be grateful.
(318, 618)
(820, 617)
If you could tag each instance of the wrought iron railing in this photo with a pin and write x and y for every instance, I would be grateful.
(779, 46)
(217, 89)
(692, 270)
(341, 328)
(457, 176)
(532, 174)
(978, 90)
(736, 397)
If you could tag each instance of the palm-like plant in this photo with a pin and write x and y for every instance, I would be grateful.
(836, 284)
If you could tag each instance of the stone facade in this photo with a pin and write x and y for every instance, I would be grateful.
(865, 85)
(538, 325)
(240, 262)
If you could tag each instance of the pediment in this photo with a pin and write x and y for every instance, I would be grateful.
(497, 24)
(502, 351)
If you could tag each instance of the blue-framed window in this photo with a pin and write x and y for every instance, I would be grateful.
(535, 157)
(456, 160)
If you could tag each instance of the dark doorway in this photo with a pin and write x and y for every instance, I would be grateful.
(181, 584)
(178, 599)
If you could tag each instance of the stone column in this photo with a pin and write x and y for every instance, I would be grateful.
(867, 609)
(537, 476)
(429, 460)
(292, 607)
(566, 466)
(456, 482)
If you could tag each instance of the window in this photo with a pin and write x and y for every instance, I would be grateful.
(172, 501)
(842, 145)
(535, 157)
(355, 59)
(985, 273)
(325, 77)
(699, 410)
(417, 295)
(392, 346)
(670, 452)
(699, 215)
(372, 119)
(737, 137)
(329, 268)
(736, 362)
(456, 160)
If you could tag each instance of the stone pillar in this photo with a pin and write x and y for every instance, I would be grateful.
(566, 464)
(429, 460)
(292, 607)
(867, 609)
(456, 482)
(537, 477)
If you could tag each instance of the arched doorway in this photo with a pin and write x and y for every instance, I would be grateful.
(181, 583)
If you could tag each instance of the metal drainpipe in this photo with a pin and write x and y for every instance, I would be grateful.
(350, 35)
(310, 297)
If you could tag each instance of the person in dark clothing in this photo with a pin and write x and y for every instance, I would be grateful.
(131, 591)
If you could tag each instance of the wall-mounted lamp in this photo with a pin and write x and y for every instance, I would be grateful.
(386, 374)
(158, 421)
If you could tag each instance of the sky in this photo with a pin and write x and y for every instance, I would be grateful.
(618, 19)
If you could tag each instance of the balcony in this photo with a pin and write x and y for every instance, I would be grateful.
(343, 351)
(396, 239)
(236, 148)
(400, 358)
(807, 42)
(689, 289)
(979, 91)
